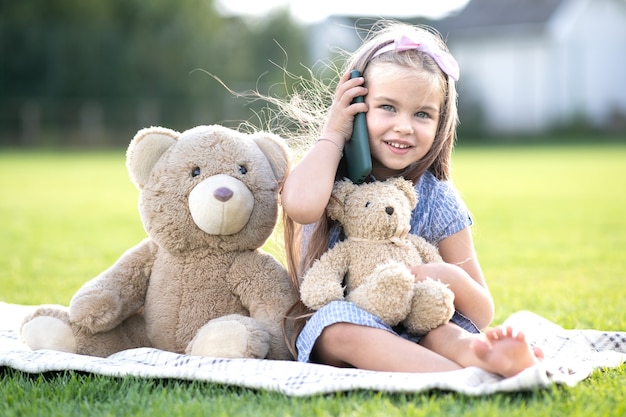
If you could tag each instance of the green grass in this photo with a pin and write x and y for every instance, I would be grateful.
(63, 219)
(550, 231)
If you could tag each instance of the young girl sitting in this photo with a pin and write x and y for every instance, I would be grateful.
(410, 103)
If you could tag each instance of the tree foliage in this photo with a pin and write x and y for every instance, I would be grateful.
(118, 54)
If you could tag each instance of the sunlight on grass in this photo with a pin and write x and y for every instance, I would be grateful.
(549, 229)
(550, 232)
(65, 218)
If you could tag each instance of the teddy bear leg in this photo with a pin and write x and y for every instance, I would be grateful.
(387, 292)
(432, 306)
(232, 336)
(49, 328)
(130, 334)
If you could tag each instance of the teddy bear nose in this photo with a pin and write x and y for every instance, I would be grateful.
(389, 210)
(223, 194)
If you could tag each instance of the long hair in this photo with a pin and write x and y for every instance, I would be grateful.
(304, 107)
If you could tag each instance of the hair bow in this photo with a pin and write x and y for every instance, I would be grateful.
(444, 60)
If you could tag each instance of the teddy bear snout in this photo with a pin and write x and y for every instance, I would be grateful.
(221, 205)
(223, 194)
(389, 210)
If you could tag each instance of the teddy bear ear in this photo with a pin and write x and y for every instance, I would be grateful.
(276, 151)
(145, 150)
(407, 188)
(335, 206)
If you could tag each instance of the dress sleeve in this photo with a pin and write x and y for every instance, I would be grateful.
(440, 210)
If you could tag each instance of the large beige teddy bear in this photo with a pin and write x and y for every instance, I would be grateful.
(370, 265)
(199, 283)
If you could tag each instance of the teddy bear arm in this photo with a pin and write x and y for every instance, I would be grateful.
(262, 285)
(265, 291)
(428, 252)
(323, 282)
(105, 301)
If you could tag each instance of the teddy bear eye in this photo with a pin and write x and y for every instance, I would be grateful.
(368, 204)
(195, 172)
(243, 169)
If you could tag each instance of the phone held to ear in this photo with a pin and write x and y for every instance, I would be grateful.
(357, 149)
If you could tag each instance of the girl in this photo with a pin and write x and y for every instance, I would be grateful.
(410, 103)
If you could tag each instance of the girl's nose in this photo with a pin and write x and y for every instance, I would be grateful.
(403, 126)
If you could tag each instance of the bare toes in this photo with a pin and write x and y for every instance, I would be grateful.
(497, 333)
(504, 351)
(519, 335)
(538, 353)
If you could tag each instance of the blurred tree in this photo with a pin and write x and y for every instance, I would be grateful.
(132, 57)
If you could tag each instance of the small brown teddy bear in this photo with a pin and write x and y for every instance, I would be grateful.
(372, 261)
(199, 283)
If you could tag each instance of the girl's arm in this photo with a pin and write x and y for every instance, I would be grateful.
(308, 186)
(462, 272)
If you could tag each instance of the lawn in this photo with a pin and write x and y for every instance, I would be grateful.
(550, 231)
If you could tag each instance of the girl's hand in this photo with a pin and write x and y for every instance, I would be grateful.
(308, 186)
(441, 271)
(338, 126)
(470, 298)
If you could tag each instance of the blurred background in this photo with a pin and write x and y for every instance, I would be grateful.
(86, 74)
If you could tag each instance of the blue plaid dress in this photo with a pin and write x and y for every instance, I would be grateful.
(440, 212)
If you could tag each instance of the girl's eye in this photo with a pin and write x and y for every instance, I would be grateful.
(195, 172)
(422, 114)
(387, 107)
(243, 170)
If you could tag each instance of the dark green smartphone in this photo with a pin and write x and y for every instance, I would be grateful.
(357, 149)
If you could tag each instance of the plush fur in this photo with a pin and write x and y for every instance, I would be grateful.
(199, 284)
(372, 261)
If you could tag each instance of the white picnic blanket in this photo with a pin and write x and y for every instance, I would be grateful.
(571, 356)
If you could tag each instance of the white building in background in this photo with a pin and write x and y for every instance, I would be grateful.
(533, 64)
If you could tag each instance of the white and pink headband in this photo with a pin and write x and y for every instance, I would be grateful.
(444, 60)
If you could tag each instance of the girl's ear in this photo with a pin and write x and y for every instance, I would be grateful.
(407, 188)
(335, 207)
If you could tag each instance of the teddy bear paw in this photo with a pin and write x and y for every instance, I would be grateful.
(231, 338)
(432, 306)
(387, 292)
(96, 314)
(46, 332)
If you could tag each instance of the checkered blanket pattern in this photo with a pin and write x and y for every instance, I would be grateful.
(571, 356)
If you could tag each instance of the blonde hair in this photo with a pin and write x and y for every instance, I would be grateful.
(308, 108)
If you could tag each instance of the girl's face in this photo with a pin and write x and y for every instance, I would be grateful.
(402, 118)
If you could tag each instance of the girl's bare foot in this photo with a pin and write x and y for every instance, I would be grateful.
(505, 352)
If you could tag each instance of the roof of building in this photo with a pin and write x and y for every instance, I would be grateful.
(489, 15)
